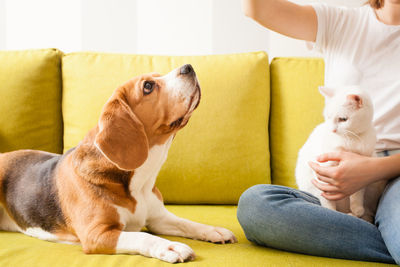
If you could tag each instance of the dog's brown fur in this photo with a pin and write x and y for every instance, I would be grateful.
(73, 196)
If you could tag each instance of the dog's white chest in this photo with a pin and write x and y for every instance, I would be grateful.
(141, 188)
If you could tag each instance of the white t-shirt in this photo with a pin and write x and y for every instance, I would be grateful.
(359, 49)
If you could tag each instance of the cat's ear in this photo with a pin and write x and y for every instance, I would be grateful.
(354, 100)
(327, 92)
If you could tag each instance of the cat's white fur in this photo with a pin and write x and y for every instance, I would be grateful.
(347, 127)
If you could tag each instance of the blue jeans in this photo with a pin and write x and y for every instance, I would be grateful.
(292, 220)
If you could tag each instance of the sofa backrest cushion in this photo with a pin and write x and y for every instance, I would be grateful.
(296, 108)
(224, 148)
(30, 92)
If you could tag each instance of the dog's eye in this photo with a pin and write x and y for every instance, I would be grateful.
(342, 119)
(148, 87)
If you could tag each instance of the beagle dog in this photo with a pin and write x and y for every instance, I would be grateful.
(102, 192)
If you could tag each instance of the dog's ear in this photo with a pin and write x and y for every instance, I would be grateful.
(121, 137)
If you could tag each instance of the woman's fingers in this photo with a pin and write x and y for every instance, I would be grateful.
(324, 186)
(327, 180)
(333, 196)
(331, 156)
(330, 192)
(321, 170)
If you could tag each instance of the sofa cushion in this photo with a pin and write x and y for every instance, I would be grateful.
(23, 251)
(30, 110)
(296, 108)
(224, 148)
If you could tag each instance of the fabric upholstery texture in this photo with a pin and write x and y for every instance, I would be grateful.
(224, 148)
(296, 108)
(18, 250)
(30, 93)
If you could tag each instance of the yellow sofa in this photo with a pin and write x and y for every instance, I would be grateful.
(252, 119)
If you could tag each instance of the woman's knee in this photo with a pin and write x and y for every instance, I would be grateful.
(252, 194)
(249, 209)
(256, 207)
(254, 199)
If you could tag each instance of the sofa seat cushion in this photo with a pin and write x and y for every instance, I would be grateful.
(30, 93)
(224, 148)
(20, 250)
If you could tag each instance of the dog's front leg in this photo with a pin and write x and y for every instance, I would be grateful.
(114, 241)
(153, 246)
(166, 223)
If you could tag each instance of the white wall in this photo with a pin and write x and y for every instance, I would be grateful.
(174, 27)
(232, 32)
(2, 24)
(40, 23)
(109, 25)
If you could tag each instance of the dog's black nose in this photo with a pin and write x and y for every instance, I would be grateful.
(186, 69)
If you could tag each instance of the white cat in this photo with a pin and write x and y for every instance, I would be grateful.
(348, 127)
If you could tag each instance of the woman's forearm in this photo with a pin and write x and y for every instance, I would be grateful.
(284, 17)
(387, 167)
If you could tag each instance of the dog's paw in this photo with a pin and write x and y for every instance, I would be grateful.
(220, 235)
(174, 252)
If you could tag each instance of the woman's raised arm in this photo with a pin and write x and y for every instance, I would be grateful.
(284, 17)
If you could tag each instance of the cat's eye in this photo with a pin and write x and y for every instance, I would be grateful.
(342, 119)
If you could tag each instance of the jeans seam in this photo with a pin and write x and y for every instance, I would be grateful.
(305, 196)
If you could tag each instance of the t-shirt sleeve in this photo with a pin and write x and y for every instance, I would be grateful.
(330, 25)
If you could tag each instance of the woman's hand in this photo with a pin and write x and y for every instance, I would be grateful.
(352, 173)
